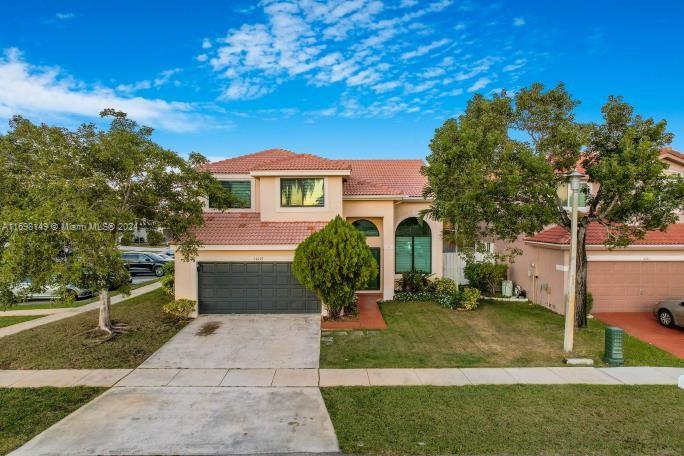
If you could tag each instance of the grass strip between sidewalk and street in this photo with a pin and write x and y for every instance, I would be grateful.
(496, 334)
(71, 343)
(13, 320)
(26, 412)
(508, 419)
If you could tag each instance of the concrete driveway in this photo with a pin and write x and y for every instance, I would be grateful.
(243, 341)
(193, 421)
(197, 419)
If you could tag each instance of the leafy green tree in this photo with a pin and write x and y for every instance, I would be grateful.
(334, 263)
(495, 171)
(79, 190)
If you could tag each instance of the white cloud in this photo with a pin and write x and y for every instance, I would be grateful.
(202, 58)
(518, 22)
(515, 65)
(206, 43)
(422, 50)
(29, 90)
(386, 86)
(244, 90)
(161, 80)
(432, 73)
(479, 84)
(65, 16)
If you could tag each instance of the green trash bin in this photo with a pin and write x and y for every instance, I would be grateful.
(614, 353)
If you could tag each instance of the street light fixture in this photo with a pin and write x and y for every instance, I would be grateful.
(574, 178)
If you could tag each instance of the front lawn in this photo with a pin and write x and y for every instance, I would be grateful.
(497, 334)
(508, 419)
(70, 343)
(26, 412)
(9, 321)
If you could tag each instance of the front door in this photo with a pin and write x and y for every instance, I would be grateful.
(374, 282)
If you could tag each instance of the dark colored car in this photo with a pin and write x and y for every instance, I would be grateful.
(144, 263)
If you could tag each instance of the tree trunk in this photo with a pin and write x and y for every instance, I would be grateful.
(104, 321)
(581, 280)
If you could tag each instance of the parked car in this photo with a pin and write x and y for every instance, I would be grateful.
(144, 263)
(169, 253)
(670, 312)
(49, 292)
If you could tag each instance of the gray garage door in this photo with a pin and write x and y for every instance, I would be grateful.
(252, 288)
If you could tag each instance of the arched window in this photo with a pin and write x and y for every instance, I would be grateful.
(366, 227)
(413, 246)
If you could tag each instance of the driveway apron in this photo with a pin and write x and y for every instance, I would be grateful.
(208, 420)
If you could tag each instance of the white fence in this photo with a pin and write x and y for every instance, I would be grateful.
(452, 267)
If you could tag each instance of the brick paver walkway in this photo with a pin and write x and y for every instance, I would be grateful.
(370, 316)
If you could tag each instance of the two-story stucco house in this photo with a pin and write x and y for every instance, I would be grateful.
(244, 265)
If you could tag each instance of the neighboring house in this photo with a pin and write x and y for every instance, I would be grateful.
(244, 265)
(630, 279)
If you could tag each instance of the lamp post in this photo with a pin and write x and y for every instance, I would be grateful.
(574, 178)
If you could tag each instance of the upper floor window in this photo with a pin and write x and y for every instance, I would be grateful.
(302, 192)
(366, 227)
(242, 189)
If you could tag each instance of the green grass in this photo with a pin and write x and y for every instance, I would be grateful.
(497, 334)
(57, 304)
(9, 321)
(25, 412)
(71, 343)
(508, 419)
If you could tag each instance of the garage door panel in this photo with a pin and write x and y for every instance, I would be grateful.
(252, 288)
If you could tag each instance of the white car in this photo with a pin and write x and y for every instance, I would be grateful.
(670, 312)
(49, 292)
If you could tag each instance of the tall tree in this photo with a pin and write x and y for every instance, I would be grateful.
(75, 192)
(495, 172)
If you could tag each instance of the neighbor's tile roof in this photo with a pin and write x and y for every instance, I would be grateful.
(301, 162)
(231, 228)
(402, 176)
(245, 163)
(596, 235)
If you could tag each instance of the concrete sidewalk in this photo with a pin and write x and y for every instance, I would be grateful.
(69, 312)
(340, 377)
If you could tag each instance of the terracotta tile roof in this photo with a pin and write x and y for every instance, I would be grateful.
(357, 187)
(673, 153)
(302, 162)
(596, 235)
(402, 176)
(231, 228)
(245, 163)
(368, 177)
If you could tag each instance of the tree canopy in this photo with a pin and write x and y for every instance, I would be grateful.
(69, 195)
(495, 171)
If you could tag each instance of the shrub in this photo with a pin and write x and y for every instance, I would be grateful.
(168, 279)
(180, 308)
(154, 237)
(445, 286)
(590, 302)
(485, 276)
(468, 298)
(414, 282)
(417, 296)
(334, 263)
(127, 238)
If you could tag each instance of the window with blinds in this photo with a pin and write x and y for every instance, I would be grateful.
(242, 190)
(302, 193)
(413, 247)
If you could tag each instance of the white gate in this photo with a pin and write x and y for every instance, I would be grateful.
(452, 267)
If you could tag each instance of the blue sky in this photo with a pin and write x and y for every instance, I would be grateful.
(356, 79)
